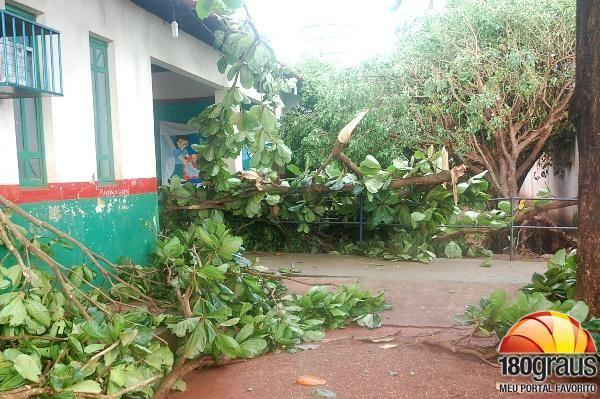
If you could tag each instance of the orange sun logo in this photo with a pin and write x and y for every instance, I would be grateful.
(547, 332)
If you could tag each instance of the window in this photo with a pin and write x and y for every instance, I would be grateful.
(102, 120)
(29, 132)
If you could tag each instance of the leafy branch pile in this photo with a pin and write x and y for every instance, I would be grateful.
(407, 217)
(553, 290)
(102, 330)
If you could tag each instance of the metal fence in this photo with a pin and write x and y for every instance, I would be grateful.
(512, 227)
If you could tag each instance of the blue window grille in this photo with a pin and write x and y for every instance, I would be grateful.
(30, 58)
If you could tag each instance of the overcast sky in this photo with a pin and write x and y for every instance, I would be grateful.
(345, 31)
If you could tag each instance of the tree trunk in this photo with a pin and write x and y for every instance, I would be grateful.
(585, 114)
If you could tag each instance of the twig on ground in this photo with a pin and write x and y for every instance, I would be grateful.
(463, 350)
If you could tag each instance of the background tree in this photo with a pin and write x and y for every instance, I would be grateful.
(586, 117)
(491, 80)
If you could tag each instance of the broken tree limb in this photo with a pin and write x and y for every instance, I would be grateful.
(421, 182)
(430, 180)
(53, 264)
(15, 252)
(27, 391)
(519, 218)
(89, 254)
(342, 139)
(183, 367)
(467, 351)
(543, 208)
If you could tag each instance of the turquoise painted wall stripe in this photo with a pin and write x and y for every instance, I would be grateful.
(123, 226)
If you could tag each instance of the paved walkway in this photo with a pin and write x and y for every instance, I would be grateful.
(423, 295)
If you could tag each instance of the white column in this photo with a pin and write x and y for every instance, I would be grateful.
(9, 172)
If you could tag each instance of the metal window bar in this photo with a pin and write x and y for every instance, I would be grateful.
(14, 46)
(24, 44)
(30, 57)
(4, 47)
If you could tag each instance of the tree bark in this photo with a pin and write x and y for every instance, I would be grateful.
(585, 113)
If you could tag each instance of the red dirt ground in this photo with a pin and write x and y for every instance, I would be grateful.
(358, 369)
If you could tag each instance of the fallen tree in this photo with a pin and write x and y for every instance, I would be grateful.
(139, 330)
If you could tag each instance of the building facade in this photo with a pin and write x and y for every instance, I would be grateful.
(87, 85)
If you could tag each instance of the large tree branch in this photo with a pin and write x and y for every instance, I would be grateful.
(421, 182)
(543, 208)
(519, 218)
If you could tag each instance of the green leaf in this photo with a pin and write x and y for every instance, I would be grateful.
(294, 169)
(373, 184)
(262, 54)
(181, 328)
(28, 367)
(252, 347)
(230, 246)
(222, 64)
(179, 385)
(246, 78)
(228, 345)
(559, 258)
(128, 336)
(93, 348)
(244, 333)
(268, 120)
(38, 312)
(579, 312)
(206, 7)
(417, 216)
(369, 321)
(196, 343)
(173, 248)
(14, 274)
(230, 322)
(504, 206)
(498, 298)
(498, 224)
(284, 152)
(87, 386)
(14, 313)
(159, 358)
(313, 335)
(453, 250)
(273, 199)
(370, 165)
(211, 272)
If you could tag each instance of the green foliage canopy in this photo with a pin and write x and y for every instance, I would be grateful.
(491, 80)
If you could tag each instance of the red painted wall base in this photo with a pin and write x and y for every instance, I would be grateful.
(70, 191)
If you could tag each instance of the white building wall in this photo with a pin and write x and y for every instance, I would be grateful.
(561, 186)
(136, 39)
